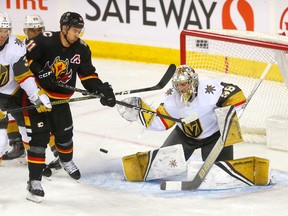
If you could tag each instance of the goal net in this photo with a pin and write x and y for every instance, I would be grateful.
(246, 59)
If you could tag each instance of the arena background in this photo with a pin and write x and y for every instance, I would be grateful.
(148, 31)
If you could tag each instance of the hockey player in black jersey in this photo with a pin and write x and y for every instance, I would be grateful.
(59, 57)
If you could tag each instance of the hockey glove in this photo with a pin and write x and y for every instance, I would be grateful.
(47, 79)
(109, 97)
(135, 115)
(41, 100)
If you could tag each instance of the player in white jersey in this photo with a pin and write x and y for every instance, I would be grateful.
(16, 77)
(190, 95)
(202, 105)
(33, 25)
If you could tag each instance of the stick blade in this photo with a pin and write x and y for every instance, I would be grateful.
(161, 84)
(167, 76)
(171, 185)
(179, 185)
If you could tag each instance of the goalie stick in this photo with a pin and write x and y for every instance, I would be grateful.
(255, 88)
(186, 120)
(208, 163)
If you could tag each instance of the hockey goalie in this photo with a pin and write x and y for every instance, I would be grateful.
(197, 101)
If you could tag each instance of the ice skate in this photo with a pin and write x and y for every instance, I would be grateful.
(47, 173)
(53, 165)
(35, 191)
(16, 151)
(71, 169)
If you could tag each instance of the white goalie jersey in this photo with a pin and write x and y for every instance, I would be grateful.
(14, 68)
(210, 95)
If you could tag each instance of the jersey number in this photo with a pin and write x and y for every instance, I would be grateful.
(227, 91)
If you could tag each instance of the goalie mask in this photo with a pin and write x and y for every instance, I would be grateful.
(185, 82)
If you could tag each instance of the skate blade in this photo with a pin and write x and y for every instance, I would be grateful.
(34, 198)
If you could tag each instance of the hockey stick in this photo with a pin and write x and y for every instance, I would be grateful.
(52, 103)
(255, 88)
(186, 120)
(208, 163)
(160, 85)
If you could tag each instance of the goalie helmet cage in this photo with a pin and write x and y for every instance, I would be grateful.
(242, 58)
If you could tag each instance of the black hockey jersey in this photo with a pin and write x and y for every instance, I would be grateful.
(46, 50)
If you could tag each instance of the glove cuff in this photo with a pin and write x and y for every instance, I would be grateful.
(34, 97)
(92, 85)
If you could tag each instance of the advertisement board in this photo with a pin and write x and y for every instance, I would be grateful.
(153, 23)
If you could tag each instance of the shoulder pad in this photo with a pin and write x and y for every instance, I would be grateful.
(16, 48)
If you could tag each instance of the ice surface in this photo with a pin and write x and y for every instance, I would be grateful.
(103, 190)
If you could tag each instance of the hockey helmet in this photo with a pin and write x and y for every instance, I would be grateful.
(72, 19)
(185, 74)
(33, 21)
(5, 21)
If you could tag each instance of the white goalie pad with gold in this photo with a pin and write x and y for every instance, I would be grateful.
(156, 164)
(236, 173)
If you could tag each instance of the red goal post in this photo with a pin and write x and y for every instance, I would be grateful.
(242, 58)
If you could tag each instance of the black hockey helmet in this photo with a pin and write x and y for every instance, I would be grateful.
(72, 19)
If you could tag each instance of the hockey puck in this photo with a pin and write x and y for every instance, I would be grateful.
(104, 150)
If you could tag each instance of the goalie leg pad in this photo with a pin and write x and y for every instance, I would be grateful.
(157, 164)
(250, 169)
(235, 173)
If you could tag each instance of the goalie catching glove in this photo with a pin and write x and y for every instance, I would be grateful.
(41, 100)
(133, 115)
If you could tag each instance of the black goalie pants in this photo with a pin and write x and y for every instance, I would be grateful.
(190, 145)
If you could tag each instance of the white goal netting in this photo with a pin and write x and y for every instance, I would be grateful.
(242, 58)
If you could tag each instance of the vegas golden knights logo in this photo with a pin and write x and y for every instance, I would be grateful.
(4, 75)
(193, 129)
